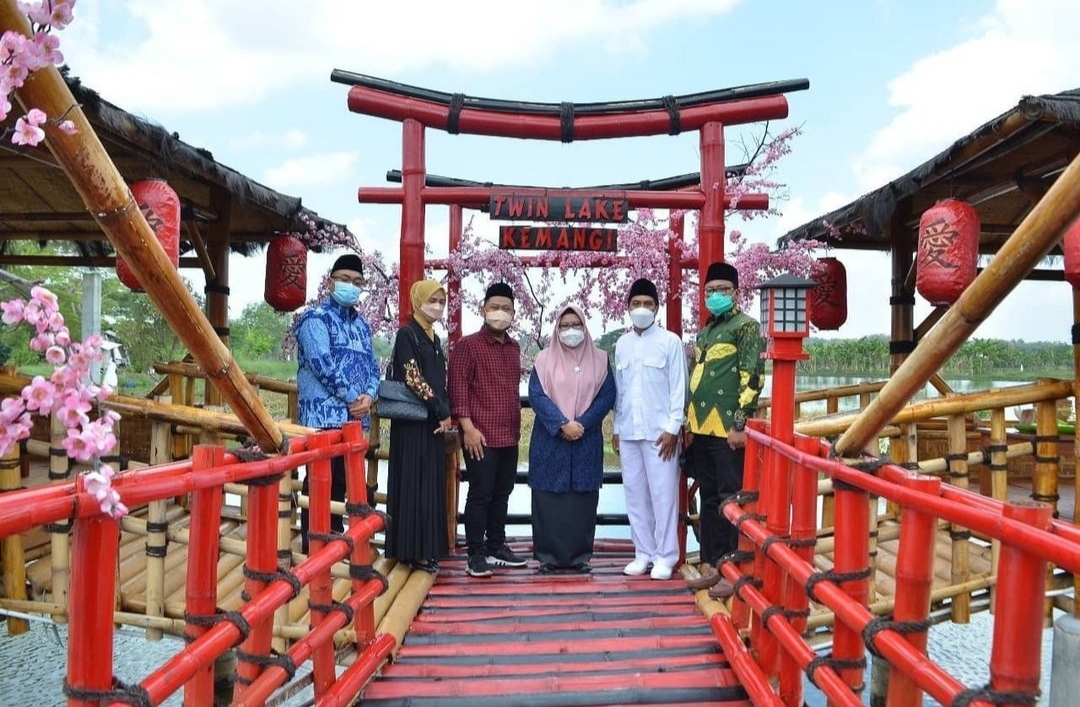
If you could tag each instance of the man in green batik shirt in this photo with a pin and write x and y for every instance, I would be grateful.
(724, 387)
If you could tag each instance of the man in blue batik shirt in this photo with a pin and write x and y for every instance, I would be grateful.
(338, 376)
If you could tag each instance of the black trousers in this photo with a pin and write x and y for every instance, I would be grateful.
(337, 493)
(491, 480)
(719, 472)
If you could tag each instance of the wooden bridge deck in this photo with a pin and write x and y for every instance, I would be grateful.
(536, 640)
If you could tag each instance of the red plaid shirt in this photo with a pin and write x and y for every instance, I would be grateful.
(483, 384)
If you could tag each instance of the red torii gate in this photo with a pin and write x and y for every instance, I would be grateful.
(419, 108)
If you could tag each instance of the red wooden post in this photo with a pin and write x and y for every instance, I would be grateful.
(320, 592)
(412, 213)
(1015, 660)
(453, 279)
(711, 219)
(202, 576)
(759, 637)
(914, 579)
(364, 621)
(93, 594)
(851, 553)
(675, 274)
(261, 559)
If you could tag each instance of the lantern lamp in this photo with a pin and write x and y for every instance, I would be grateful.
(785, 316)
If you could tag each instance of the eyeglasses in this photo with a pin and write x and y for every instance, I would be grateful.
(719, 290)
(571, 325)
(358, 281)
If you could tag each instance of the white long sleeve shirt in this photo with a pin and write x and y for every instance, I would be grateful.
(650, 375)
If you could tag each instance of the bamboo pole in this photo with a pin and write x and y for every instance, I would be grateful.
(156, 547)
(917, 412)
(59, 538)
(999, 480)
(830, 395)
(1033, 239)
(263, 382)
(11, 548)
(102, 188)
(958, 476)
(1044, 485)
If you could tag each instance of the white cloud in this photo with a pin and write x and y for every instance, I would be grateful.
(195, 55)
(311, 171)
(1021, 47)
(292, 139)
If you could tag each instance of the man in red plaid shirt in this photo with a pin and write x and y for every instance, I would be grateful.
(484, 374)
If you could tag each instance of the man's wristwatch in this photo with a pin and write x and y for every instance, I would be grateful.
(738, 421)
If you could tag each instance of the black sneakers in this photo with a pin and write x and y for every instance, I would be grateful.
(503, 556)
(478, 566)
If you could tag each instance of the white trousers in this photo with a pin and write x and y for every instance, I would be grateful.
(652, 501)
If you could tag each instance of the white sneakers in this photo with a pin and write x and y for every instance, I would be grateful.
(660, 571)
(639, 567)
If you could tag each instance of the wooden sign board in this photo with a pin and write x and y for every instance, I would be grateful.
(586, 209)
(558, 238)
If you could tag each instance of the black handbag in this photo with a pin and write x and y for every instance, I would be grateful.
(397, 402)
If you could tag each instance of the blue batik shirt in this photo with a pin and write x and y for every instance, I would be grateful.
(336, 364)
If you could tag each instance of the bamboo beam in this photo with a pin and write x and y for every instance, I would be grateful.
(1039, 232)
(274, 385)
(107, 196)
(11, 547)
(958, 476)
(983, 400)
(999, 480)
(72, 261)
(200, 249)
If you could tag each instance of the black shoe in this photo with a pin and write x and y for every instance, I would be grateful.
(478, 566)
(503, 556)
(547, 568)
(581, 568)
(429, 566)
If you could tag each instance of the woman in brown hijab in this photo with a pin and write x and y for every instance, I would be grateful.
(416, 488)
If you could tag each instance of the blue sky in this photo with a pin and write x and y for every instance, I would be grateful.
(892, 83)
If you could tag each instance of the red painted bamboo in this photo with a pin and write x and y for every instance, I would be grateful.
(479, 197)
(261, 558)
(929, 676)
(93, 596)
(1015, 659)
(914, 581)
(792, 641)
(851, 553)
(356, 492)
(321, 589)
(320, 636)
(411, 248)
(759, 638)
(453, 280)
(344, 691)
(750, 676)
(181, 667)
(740, 613)
(711, 218)
(549, 127)
(202, 575)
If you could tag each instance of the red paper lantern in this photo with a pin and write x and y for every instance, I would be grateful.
(1070, 246)
(828, 301)
(948, 250)
(286, 274)
(161, 207)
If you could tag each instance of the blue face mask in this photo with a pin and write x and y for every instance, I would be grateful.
(719, 304)
(345, 293)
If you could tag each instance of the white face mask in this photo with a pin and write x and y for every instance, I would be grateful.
(572, 337)
(498, 320)
(432, 311)
(642, 317)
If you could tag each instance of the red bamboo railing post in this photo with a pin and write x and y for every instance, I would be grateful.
(364, 620)
(320, 592)
(750, 676)
(261, 562)
(411, 248)
(453, 279)
(851, 554)
(777, 523)
(1015, 659)
(711, 218)
(740, 610)
(914, 579)
(202, 575)
(93, 583)
(759, 637)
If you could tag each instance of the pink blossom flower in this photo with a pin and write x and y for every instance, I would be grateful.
(39, 395)
(73, 410)
(13, 311)
(42, 341)
(48, 300)
(11, 409)
(63, 336)
(27, 133)
(48, 48)
(68, 127)
(77, 446)
(55, 355)
(5, 104)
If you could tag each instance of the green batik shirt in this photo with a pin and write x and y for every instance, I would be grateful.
(727, 374)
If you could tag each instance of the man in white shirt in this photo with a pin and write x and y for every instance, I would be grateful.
(650, 408)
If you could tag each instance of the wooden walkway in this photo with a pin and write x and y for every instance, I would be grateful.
(536, 640)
